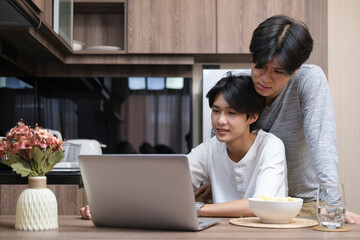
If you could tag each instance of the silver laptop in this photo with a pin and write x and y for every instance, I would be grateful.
(141, 191)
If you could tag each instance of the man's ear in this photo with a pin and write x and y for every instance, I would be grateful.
(253, 118)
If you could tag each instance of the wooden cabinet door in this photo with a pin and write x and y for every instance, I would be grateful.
(171, 26)
(237, 19)
(40, 4)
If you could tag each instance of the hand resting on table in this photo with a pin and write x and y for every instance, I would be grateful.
(85, 212)
(352, 217)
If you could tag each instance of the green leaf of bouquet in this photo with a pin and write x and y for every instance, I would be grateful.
(22, 167)
(48, 151)
(45, 163)
(12, 158)
(38, 157)
(35, 174)
(54, 159)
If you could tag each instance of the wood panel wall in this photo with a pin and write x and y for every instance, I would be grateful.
(344, 79)
(316, 20)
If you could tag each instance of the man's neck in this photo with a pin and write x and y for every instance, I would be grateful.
(237, 150)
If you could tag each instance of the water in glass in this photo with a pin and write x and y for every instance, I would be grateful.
(331, 205)
(331, 217)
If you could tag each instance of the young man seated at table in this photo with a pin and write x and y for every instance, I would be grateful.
(239, 164)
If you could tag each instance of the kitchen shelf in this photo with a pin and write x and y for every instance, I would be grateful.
(99, 23)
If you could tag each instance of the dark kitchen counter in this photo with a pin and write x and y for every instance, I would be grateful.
(53, 177)
(73, 177)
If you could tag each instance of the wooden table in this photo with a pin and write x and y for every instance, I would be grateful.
(73, 227)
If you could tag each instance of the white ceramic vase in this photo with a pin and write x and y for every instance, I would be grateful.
(36, 208)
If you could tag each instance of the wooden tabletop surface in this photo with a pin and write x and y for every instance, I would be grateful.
(73, 227)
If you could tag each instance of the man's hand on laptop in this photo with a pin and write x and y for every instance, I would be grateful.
(85, 212)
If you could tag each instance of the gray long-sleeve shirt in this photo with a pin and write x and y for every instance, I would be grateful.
(303, 117)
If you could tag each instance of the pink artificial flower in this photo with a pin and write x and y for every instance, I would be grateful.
(4, 146)
(15, 147)
(21, 139)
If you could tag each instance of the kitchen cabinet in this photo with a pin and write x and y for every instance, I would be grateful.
(100, 24)
(151, 32)
(202, 26)
(63, 19)
(47, 13)
(236, 20)
(40, 4)
(171, 26)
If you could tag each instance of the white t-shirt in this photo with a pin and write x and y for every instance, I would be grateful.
(262, 171)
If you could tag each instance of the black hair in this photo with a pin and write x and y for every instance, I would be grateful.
(125, 147)
(239, 92)
(161, 148)
(146, 148)
(287, 40)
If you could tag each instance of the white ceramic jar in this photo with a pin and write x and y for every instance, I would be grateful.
(36, 207)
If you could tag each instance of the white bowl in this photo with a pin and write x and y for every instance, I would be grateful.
(276, 211)
(77, 45)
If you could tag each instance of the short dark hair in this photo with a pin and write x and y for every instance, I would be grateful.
(239, 92)
(287, 40)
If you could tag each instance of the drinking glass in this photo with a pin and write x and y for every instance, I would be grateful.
(331, 205)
